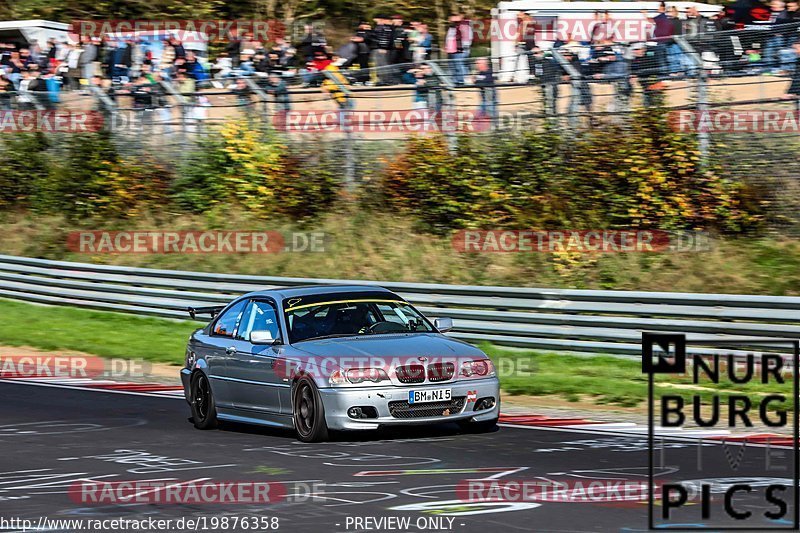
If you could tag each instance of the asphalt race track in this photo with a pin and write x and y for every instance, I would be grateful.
(52, 437)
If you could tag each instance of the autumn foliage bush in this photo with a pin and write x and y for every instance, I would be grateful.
(640, 174)
(243, 168)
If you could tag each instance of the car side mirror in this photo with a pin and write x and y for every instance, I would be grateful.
(443, 324)
(263, 337)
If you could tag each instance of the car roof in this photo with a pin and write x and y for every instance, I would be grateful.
(361, 291)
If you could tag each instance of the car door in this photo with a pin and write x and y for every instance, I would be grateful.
(217, 346)
(251, 368)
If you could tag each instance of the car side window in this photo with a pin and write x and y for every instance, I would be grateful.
(259, 315)
(226, 325)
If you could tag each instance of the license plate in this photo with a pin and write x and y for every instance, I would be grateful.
(431, 395)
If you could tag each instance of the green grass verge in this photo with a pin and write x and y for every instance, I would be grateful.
(94, 332)
(612, 380)
(601, 379)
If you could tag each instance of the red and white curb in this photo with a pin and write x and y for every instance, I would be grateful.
(631, 428)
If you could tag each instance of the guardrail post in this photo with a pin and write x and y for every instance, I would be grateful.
(701, 86)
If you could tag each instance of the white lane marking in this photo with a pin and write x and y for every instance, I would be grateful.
(670, 436)
(93, 389)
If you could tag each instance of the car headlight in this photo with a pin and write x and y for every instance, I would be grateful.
(362, 375)
(358, 376)
(479, 368)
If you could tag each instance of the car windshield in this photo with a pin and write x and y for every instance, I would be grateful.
(349, 318)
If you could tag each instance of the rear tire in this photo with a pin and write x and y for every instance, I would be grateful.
(308, 412)
(204, 409)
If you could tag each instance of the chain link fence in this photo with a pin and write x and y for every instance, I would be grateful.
(736, 91)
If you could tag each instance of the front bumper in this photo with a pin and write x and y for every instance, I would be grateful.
(338, 400)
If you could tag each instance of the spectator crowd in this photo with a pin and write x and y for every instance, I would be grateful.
(393, 51)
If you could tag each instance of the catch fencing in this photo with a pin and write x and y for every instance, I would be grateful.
(592, 321)
(364, 119)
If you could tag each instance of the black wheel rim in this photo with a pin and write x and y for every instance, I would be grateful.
(304, 410)
(201, 398)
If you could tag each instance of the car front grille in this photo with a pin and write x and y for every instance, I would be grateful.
(440, 372)
(423, 410)
(410, 373)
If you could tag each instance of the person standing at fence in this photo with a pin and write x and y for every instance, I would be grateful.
(39, 89)
(70, 70)
(280, 92)
(87, 59)
(363, 42)
(675, 55)
(25, 97)
(793, 11)
(695, 23)
(484, 80)
(420, 100)
(143, 102)
(646, 72)
(401, 53)
(186, 87)
(794, 88)
(584, 93)
(662, 34)
(163, 113)
(466, 41)
(454, 47)
(244, 100)
(5, 53)
(120, 61)
(16, 66)
(423, 44)
(383, 37)
(234, 47)
(549, 74)
(774, 56)
(6, 93)
(526, 43)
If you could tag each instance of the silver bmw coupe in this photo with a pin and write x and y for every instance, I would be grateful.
(334, 358)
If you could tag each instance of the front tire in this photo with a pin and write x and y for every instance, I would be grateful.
(204, 409)
(308, 412)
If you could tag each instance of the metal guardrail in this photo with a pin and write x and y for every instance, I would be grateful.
(554, 319)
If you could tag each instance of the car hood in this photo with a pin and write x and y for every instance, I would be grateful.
(403, 346)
